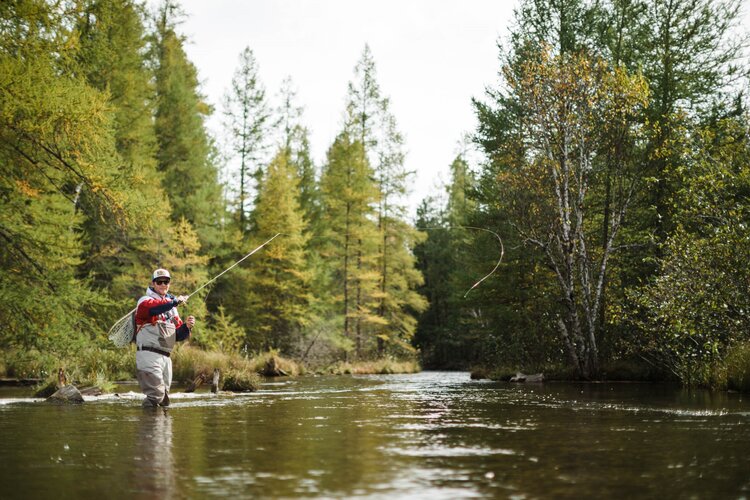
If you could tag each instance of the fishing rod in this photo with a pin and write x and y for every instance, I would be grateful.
(122, 331)
(204, 285)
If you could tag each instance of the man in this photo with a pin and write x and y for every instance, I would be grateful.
(158, 327)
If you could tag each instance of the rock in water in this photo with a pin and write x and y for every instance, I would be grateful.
(66, 394)
(520, 377)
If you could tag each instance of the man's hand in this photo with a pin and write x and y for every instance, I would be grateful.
(190, 321)
(182, 299)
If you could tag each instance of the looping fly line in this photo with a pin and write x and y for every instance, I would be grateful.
(502, 250)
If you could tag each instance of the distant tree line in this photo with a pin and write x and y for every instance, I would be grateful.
(616, 169)
(108, 172)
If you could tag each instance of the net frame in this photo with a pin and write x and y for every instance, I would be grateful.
(121, 333)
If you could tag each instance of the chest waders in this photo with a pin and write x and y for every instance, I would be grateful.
(154, 366)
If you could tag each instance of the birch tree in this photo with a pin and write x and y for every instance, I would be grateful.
(571, 102)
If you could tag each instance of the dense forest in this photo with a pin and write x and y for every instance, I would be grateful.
(615, 169)
(614, 176)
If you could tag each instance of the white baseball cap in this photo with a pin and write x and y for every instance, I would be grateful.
(161, 273)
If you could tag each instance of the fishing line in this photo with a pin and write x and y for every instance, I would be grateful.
(122, 331)
(502, 249)
(230, 267)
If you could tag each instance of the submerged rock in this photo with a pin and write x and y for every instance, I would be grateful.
(66, 394)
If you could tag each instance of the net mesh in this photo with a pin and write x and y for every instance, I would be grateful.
(122, 331)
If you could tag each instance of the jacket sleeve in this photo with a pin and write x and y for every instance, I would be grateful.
(183, 332)
(150, 308)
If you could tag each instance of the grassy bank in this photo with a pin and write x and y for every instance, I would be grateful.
(732, 374)
(380, 366)
(103, 367)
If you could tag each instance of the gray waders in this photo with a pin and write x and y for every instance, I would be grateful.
(154, 366)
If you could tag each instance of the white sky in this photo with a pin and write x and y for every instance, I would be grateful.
(431, 57)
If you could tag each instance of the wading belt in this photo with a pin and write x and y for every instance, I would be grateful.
(153, 349)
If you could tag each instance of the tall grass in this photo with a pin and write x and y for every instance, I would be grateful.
(267, 363)
(87, 366)
(380, 366)
(237, 372)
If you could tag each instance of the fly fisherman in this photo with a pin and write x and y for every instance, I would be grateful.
(158, 327)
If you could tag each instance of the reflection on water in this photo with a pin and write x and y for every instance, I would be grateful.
(153, 465)
(429, 435)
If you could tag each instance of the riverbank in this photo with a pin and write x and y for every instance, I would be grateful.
(104, 368)
(733, 374)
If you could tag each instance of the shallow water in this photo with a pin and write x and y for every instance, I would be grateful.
(429, 435)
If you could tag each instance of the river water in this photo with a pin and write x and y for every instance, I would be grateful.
(429, 435)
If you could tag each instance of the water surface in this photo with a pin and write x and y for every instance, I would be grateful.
(429, 435)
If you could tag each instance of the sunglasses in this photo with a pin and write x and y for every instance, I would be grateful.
(161, 282)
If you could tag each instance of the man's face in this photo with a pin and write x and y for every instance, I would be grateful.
(161, 285)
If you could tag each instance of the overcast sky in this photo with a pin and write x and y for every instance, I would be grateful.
(431, 57)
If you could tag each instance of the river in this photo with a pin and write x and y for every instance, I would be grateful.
(429, 435)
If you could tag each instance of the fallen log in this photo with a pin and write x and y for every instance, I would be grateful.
(196, 383)
(92, 391)
(520, 377)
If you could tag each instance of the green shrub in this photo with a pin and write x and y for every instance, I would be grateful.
(738, 367)
(30, 363)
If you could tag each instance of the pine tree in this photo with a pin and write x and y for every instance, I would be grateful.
(279, 283)
(294, 137)
(349, 194)
(370, 120)
(111, 56)
(247, 122)
(55, 141)
(185, 151)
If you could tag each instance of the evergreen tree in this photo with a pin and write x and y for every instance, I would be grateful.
(55, 141)
(247, 122)
(184, 149)
(688, 59)
(279, 283)
(370, 120)
(111, 56)
(348, 194)
(294, 137)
